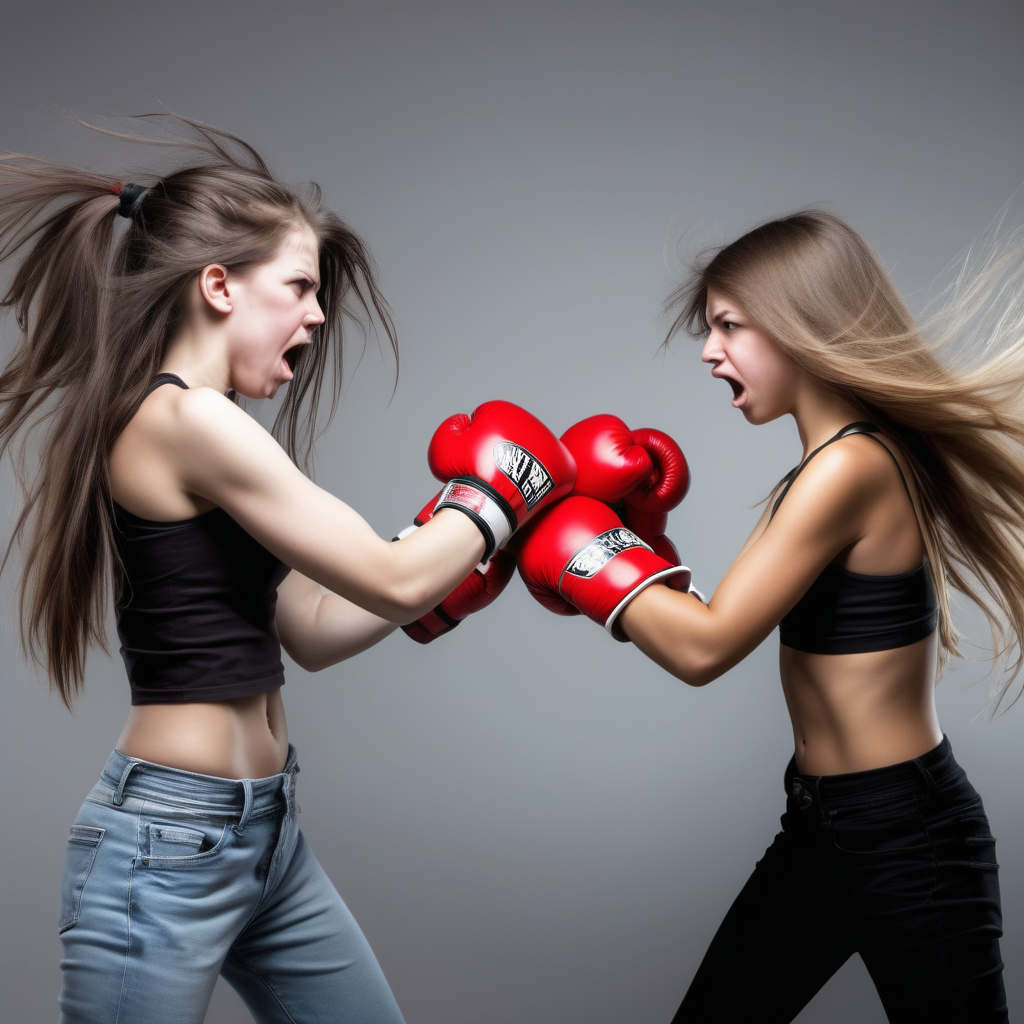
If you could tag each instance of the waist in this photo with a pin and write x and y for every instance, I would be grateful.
(242, 738)
(934, 772)
(125, 778)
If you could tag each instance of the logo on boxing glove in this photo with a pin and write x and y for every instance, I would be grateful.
(530, 477)
(590, 560)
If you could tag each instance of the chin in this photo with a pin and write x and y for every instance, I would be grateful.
(257, 391)
(756, 417)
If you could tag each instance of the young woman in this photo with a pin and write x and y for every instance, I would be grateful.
(912, 482)
(141, 310)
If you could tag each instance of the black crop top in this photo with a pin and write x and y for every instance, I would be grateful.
(847, 612)
(196, 608)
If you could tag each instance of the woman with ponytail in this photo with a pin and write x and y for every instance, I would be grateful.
(144, 309)
(911, 485)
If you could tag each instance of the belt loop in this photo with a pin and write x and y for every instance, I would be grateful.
(825, 816)
(119, 791)
(926, 778)
(246, 807)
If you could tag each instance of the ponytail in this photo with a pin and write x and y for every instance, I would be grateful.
(97, 308)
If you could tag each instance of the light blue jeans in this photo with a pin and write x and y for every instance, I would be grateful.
(171, 878)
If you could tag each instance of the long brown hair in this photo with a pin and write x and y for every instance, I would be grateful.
(97, 309)
(816, 287)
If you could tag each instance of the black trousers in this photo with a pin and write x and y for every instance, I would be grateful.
(897, 864)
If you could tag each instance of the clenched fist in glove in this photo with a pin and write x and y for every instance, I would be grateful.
(502, 466)
(578, 557)
(473, 594)
(643, 473)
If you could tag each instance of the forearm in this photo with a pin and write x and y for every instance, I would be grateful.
(319, 628)
(684, 636)
(397, 581)
(424, 567)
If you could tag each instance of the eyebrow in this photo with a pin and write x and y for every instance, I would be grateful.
(722, 314)
(315, 278)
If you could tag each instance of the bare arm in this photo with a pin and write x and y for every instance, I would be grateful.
(221, 454)
(318, 628)
(823, 514)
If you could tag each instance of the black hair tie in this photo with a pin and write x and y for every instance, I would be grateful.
(132, 197)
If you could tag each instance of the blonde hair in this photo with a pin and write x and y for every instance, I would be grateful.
(816, 287)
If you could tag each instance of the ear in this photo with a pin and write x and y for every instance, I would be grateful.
(213, 287)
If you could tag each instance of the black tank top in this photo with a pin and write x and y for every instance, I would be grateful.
(847, 612)
(196, 608)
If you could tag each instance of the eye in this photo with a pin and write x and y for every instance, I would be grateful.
(729, 325)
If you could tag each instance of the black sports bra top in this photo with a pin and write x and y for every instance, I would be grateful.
(847, 612)
(196, 608)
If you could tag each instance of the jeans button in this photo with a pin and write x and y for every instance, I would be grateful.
(801, 793)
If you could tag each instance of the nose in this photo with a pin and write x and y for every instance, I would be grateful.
(712, 351)
(316, 314)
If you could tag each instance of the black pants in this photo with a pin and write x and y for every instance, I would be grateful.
(897, 864)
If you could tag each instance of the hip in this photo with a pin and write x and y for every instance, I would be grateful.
(925, 808)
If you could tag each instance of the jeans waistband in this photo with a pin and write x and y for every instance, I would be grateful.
(936, 770)
(232, 798)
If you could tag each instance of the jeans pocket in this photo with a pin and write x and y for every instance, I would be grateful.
(880, 830)
(173, 844)
(963, 835)
(79, 855)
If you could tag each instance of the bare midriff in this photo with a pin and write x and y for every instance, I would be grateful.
(243, 738)
(855, 712)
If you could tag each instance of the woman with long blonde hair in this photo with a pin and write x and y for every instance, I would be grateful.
(911, 485)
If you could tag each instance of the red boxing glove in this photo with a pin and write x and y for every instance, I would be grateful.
(502, 466)
(646, 468)
(579, 557)
(473, 594)
(642, 472)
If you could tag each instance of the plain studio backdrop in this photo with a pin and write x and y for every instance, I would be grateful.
(530, 821)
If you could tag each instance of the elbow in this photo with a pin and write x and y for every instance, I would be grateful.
(702, 668)
(698, 677)
(306, 659)
(311, 664)
(406, 602)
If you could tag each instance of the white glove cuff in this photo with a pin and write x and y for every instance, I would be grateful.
(672, 570)
(484, 510)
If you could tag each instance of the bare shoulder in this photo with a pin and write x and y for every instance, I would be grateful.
(841, 483)
(195, 410)
(196, 421)
(209, 444)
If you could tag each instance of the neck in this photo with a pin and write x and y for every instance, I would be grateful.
(199, 358)
(820, 413)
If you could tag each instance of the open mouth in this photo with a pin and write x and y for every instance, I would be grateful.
(291, 357)
(737, 389)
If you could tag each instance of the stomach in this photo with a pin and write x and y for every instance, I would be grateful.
(855, 712)
(242, 738)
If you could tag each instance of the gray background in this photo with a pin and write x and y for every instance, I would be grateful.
(530, 821)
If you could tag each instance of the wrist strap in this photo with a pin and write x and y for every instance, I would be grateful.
(428, 627)
(488, 509)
